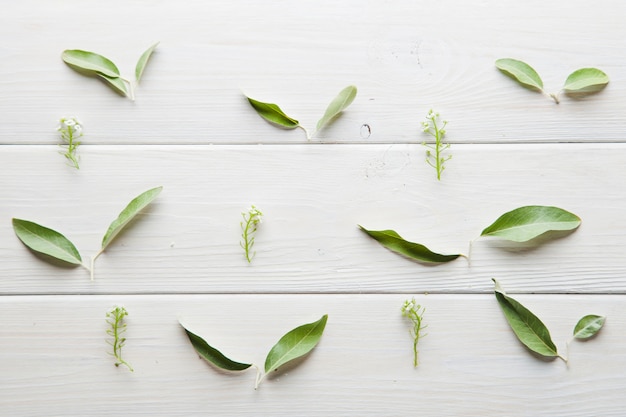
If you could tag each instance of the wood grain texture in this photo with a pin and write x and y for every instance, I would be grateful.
(54, 359)
(313, 198)
(405, 57)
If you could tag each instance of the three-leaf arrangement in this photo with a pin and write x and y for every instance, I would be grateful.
(531, 331)
(519, 225)
(581, 81)
(95, 65)
(53, 244)
(273, 114)
(294, 344)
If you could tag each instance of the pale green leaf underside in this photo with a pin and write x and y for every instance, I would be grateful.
(46, 241)
(116, 83)
(213, 355)
(90, 61)
(294, 344)
(394, 242)
(131, 210)
(525, 223)
(273, 114)
(527, 327)
(143, 61)
(585, 80)
(339, 103)
(521, 72)
(588, 326)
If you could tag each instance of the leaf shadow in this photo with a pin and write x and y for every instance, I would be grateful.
(530, 245)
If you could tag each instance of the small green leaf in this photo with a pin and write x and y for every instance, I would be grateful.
(143, 61)
(213, 355)
(527, 327)
(116, 83)
(131, 210)
(339, 103)
(46, 241)
(296, 343)
(588, 326)
(521, 72)
(586, 80)
(420, 253)
(90, 61)
(273, 114)
(525, 223)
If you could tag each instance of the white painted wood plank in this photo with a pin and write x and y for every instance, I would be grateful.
(405, 56)
(313, 198)
(54, 360)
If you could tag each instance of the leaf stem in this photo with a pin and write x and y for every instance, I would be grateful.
(93, 262)
(259, 377)
(308, 135)
(554, 96)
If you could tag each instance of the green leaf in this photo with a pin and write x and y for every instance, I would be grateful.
(339, 103)
(131, 210)
(213, 355)
(525, 223)
(521, 72)
(296, 343)
(588, 326)
(116, 83)
(143, 61)
(586, 80)
(526, 326)
(420, 253)
(273, 114)
(90, 61)
(46, 241)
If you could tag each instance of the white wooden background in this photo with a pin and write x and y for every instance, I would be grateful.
(191, 130)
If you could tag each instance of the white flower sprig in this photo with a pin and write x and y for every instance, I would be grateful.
(414, 312)
(251, 219)
(71, 129)
(434, 153)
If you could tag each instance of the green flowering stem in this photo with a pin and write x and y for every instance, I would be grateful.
(434, 153)
(71, 129)
(411, 310)
(115, 318)
(251, 219)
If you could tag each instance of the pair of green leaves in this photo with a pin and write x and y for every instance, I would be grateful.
(274, 114)
(96, 65)
(519, 225)
(581, 81)
(53, 244)
(531, 331)
(294, 344)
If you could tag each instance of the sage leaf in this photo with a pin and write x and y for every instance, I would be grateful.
(294, 344)
(116, 83)
(418, 252)
(521, 72)
(527, 327)
(588, 326)
(585, 80)
(46, 241)
(339, 103)
(213, 355)
(143, 61)
(528, 222)
(131, 210)
(90, 61)
(273, 114)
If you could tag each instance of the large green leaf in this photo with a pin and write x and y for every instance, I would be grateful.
(521, 72)
(273, 114)
(143, 61)
(213, 355)
(46, 241)
(90, 61)
(339, 103)
(394, 242)
(296, 343)
(132, 209)
(588, 326)
(586, 80)
(527, 327)
(528, 222)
